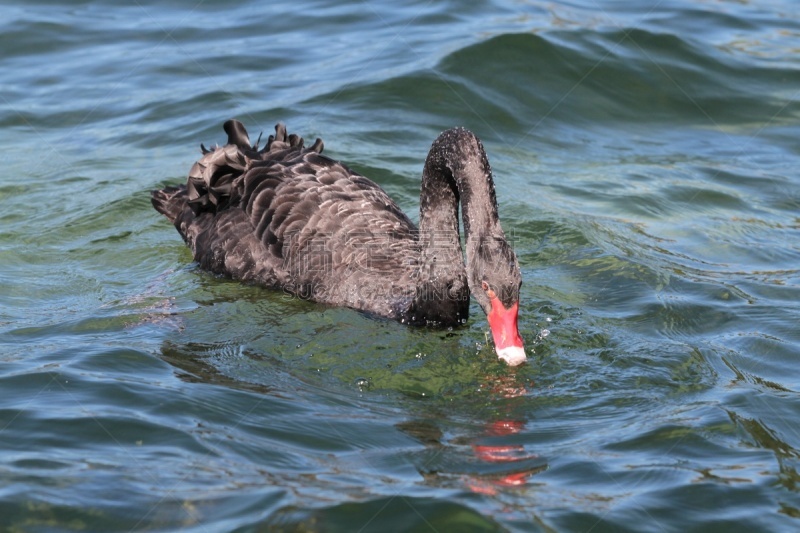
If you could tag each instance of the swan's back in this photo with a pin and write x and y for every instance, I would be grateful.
(289, 217)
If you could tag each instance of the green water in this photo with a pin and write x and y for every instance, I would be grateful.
(646, 159)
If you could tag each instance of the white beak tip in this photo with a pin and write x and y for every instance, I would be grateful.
(513, 355)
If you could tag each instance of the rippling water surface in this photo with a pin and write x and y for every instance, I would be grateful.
(647, 159)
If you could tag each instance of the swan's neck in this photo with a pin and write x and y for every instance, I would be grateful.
(456, 169)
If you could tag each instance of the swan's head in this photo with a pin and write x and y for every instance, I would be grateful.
(496, 282)
(505, 333)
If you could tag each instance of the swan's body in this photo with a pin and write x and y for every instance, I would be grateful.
(288, 217)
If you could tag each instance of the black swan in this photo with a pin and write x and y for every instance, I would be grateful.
(289, 217)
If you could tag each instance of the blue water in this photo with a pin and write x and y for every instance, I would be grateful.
(646, 157)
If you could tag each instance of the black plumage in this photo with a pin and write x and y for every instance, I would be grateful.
(288, 217)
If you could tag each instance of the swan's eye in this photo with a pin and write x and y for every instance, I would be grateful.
(489, 292)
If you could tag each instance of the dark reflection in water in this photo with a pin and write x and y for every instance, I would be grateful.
(496, 463)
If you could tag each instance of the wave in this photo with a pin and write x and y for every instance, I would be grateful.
(584, 76)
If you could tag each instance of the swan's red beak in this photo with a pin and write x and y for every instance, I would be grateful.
(503, 323)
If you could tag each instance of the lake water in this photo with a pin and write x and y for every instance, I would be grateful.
(647, 160)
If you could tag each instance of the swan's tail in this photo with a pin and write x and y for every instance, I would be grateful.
(170, 201)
